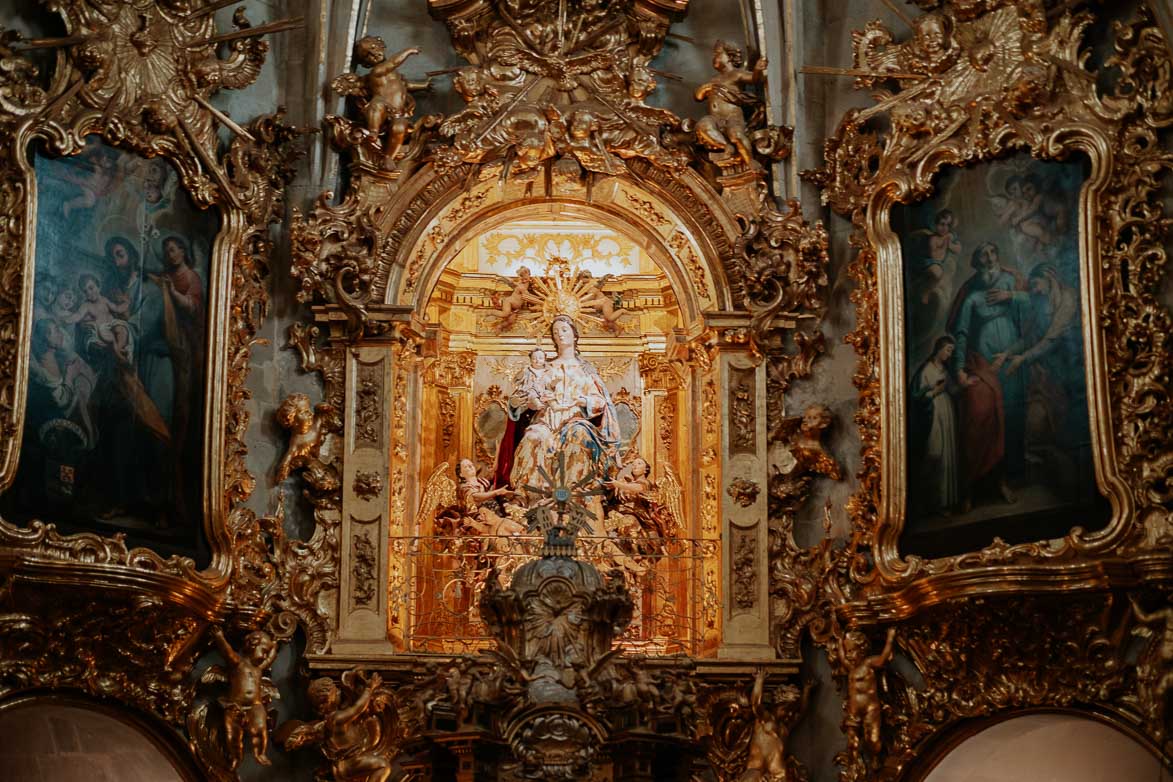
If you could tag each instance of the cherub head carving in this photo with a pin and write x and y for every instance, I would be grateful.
(370, 51)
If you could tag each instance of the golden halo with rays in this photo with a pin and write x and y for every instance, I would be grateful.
(561, 291)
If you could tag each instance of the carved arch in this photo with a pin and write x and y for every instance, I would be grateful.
(689, 258)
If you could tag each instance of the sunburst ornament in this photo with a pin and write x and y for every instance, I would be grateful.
(559, 292)
(561, 513)
(565, 289)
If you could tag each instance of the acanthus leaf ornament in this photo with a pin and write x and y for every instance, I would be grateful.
(138, 651)
(988, 656)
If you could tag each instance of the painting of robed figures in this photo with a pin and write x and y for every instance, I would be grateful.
(998, 439)
(113, 434)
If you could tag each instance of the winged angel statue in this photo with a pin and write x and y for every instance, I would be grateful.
(357, 738)
(639, 516)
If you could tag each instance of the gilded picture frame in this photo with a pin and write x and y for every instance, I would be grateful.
(979, 85)
(113, 83)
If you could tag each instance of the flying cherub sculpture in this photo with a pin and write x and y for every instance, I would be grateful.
(383, 95)
(725, 125)
(245, 707)
(307, 427)
(519, 298)
(355, 738)
(591, 296)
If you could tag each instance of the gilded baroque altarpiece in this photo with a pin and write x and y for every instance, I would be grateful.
(553, 474)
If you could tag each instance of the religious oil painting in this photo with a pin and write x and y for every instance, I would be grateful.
(998, 438)
(113, 433)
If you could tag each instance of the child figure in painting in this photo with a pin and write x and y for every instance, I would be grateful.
(69, 380)
(103, 320)
(933, 439)
(95, 181)
(1023, 209)
(1009, 207)
(944, 247)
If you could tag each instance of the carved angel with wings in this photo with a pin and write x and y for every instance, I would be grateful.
(643, 514)
(946, 66)
(357, 739)
(804, 457)
(519, 298)
(383, 95)
(246, 705)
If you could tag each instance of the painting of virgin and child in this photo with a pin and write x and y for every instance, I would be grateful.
(113, 434)
(998, 438)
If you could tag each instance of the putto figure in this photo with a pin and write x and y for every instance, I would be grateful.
(246, 705)
(383, 95)
(306, 427)
(725, 125)
(771, 729)
(353, 737)
(864, 712)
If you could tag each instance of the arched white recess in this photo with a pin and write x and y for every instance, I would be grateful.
(1049, 748)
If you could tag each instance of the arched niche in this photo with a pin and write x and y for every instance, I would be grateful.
(1059, 746)
(65, 739)
(680, 219)
(467, 366)
(697, 382)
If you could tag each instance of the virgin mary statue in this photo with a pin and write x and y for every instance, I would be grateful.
(559, 406)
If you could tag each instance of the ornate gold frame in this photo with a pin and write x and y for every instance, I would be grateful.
(1041, 625)
(106, 82)
(1036, 94)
